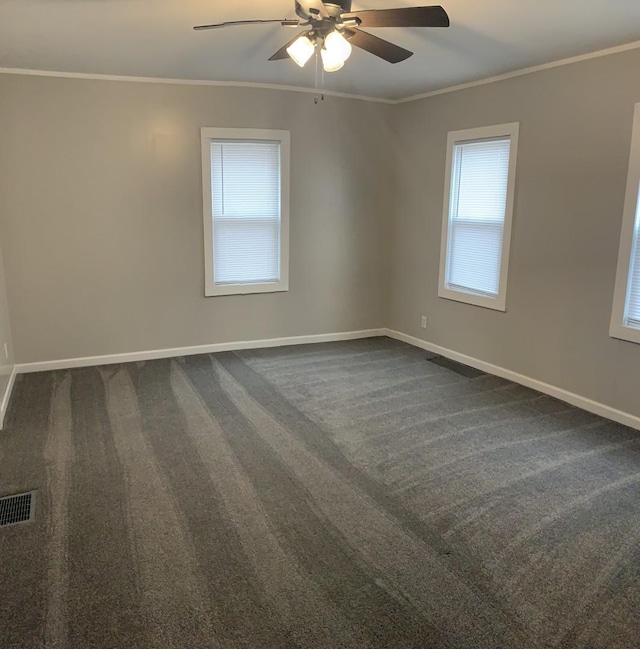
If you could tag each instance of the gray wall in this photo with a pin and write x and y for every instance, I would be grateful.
(101, 201)
(100, 213)
(6, 360)
(575, 135)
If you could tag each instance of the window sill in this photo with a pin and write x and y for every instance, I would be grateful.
(621, 332)
(497, 303)
(245, 289)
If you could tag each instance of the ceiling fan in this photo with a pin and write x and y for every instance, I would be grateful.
(334, 28)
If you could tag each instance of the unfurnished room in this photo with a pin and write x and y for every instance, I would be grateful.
(319, 324)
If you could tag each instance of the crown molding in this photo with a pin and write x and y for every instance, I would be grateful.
(618, 49)
(523, 71)
(189, 82)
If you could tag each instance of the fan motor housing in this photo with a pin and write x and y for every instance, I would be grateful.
(334, 8)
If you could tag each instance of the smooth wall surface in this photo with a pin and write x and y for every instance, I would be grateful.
(101, 220)
(6, 342)
(575, 136)
(101, 201)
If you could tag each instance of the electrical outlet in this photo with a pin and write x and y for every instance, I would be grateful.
(423, 322)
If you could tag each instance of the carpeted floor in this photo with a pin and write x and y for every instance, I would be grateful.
(341, 495)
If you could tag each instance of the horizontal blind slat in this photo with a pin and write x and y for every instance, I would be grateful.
(632, 314)
(474, 257)
(246, 253)
(246, 205)
(479, 184)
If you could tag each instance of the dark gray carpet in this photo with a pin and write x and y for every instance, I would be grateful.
(341, 495)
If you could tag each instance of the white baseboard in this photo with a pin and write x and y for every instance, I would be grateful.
(595, 407)
(110, 359)
(6, 397)
(553, 391)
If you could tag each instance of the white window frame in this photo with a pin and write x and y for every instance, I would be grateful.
(618, 329)
(207, 134)
(455, 137)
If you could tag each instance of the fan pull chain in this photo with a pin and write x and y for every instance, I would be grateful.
(316, 99)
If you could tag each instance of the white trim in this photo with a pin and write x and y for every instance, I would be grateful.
(6, 397)
(485, 132)
(617, 328)
(207, 135)
(131, 357)
(190, 82)
(618, 49)
(559, 393)
(551, 390)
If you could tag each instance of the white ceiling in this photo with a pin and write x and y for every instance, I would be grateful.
(154, 38)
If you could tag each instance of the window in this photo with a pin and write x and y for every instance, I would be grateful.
(478, 208)
(625, 320)
(245, 179)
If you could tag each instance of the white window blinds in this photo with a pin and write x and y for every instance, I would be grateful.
(246, 210)
(477, 207)
(632, 311)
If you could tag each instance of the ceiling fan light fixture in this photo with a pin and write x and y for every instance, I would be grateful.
(335, 51)
(301, 50)
(337, 45)
(330, 64)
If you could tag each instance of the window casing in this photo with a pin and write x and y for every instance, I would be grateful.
(477, 215)
(625, 318)
(245, 181)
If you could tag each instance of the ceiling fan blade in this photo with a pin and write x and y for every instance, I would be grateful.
(434, 16)
(282, 53)
(234, 23)
(384, 49)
